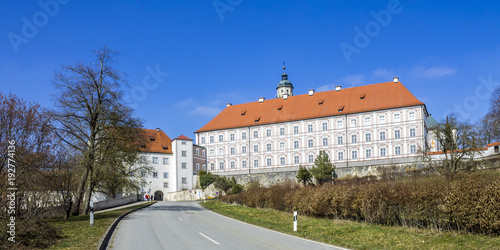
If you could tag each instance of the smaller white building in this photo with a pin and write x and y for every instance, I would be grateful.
(172, 161)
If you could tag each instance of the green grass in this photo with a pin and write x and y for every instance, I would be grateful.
(354, 235)
(77, 232)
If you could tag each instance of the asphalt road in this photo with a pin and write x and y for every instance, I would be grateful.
(187, 225)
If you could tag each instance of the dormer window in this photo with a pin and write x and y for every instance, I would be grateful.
(165, 147)
(143, 146)
(320, 102)
(280, 107)
(257, 119)
(362, 96)
(243, 113)
(341, 108)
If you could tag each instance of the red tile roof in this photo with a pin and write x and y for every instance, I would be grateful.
(182, 137)
(156, 142)
(373, 97)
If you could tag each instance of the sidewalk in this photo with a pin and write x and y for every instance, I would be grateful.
(120, 207)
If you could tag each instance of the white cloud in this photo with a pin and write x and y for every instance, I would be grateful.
(186, 102)
(384, 73)
(325, 88)
(433, 72)
(352, 79)
(207, 111)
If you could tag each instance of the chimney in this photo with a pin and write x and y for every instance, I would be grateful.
(311, 92)
(396, 79)
(228, 104)
(261, 99)
(285, 96)
(337, 88)
(157, 129)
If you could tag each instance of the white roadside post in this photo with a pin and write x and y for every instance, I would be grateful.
(91, 213)
(295, 221)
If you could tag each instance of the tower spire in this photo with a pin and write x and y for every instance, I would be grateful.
(285, 87)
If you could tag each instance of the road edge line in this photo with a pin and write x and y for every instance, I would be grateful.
(104, 241)
(322, 243)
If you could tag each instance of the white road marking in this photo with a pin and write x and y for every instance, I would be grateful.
(180, 218)
(208, 238)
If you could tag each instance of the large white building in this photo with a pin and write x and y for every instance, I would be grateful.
(172, 161)
(375, 124)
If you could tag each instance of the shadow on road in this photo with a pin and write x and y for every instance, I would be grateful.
(176, 208)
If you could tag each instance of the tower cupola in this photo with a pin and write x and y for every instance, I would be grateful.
(285, 87)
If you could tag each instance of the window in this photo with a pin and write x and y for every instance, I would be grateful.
(255, 163)
(368, 137)
(382, 135)
(155, 174)
(296, 144)
(310, 158)
(354, 138)
(243, 149)
(412, 132)
(203, 152)
(268, 147)
(183, 153)
(243, 135)
(310, 143)
(411, 115)
(268, 132)
(397, 134)
(184, 180)
(397, 150)
(340, 155)
(197, 151)
(165, 175)
(282, 131)
(353, 123)
(221, 151)
(197, 166)
(155, 160)
(368, 120)
(212, 166)
(325, 141)
(282, 160)
(221, 138)
(231, 137)
(397, 117)
(233, 165)
(255, 148)
(354, 154)
(325, 126)
(232, 150)
(221, 165)
(413, 149)
(165, 184)
(184, 165)
(203, 167)
(183, 143)
(340, 124)
(368, 153)
(309, 128)
(296, 159)
(282, 145)
(296, 129)
(340, 140)
(382, 152)
(165, 161)
(243, 164)
(202, 140)
(211, 139)
(256, 134)
(143, 173)
(269, 162)
(381, 119)
(212, 153)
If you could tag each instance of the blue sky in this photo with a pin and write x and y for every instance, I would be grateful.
(185, 60)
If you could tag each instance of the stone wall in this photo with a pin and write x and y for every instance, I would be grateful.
(100, 205)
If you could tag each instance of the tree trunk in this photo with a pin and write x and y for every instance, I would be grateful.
(81, 191)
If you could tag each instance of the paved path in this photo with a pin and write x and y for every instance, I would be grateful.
(187, 225)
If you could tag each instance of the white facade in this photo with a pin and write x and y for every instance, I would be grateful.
(369, 138)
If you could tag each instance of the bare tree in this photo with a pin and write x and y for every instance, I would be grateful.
(459, 147)
(89, 102)
(486, 130)
(494, 115)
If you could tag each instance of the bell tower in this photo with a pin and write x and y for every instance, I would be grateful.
(285, 87)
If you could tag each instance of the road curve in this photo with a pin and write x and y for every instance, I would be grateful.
(187, 225)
